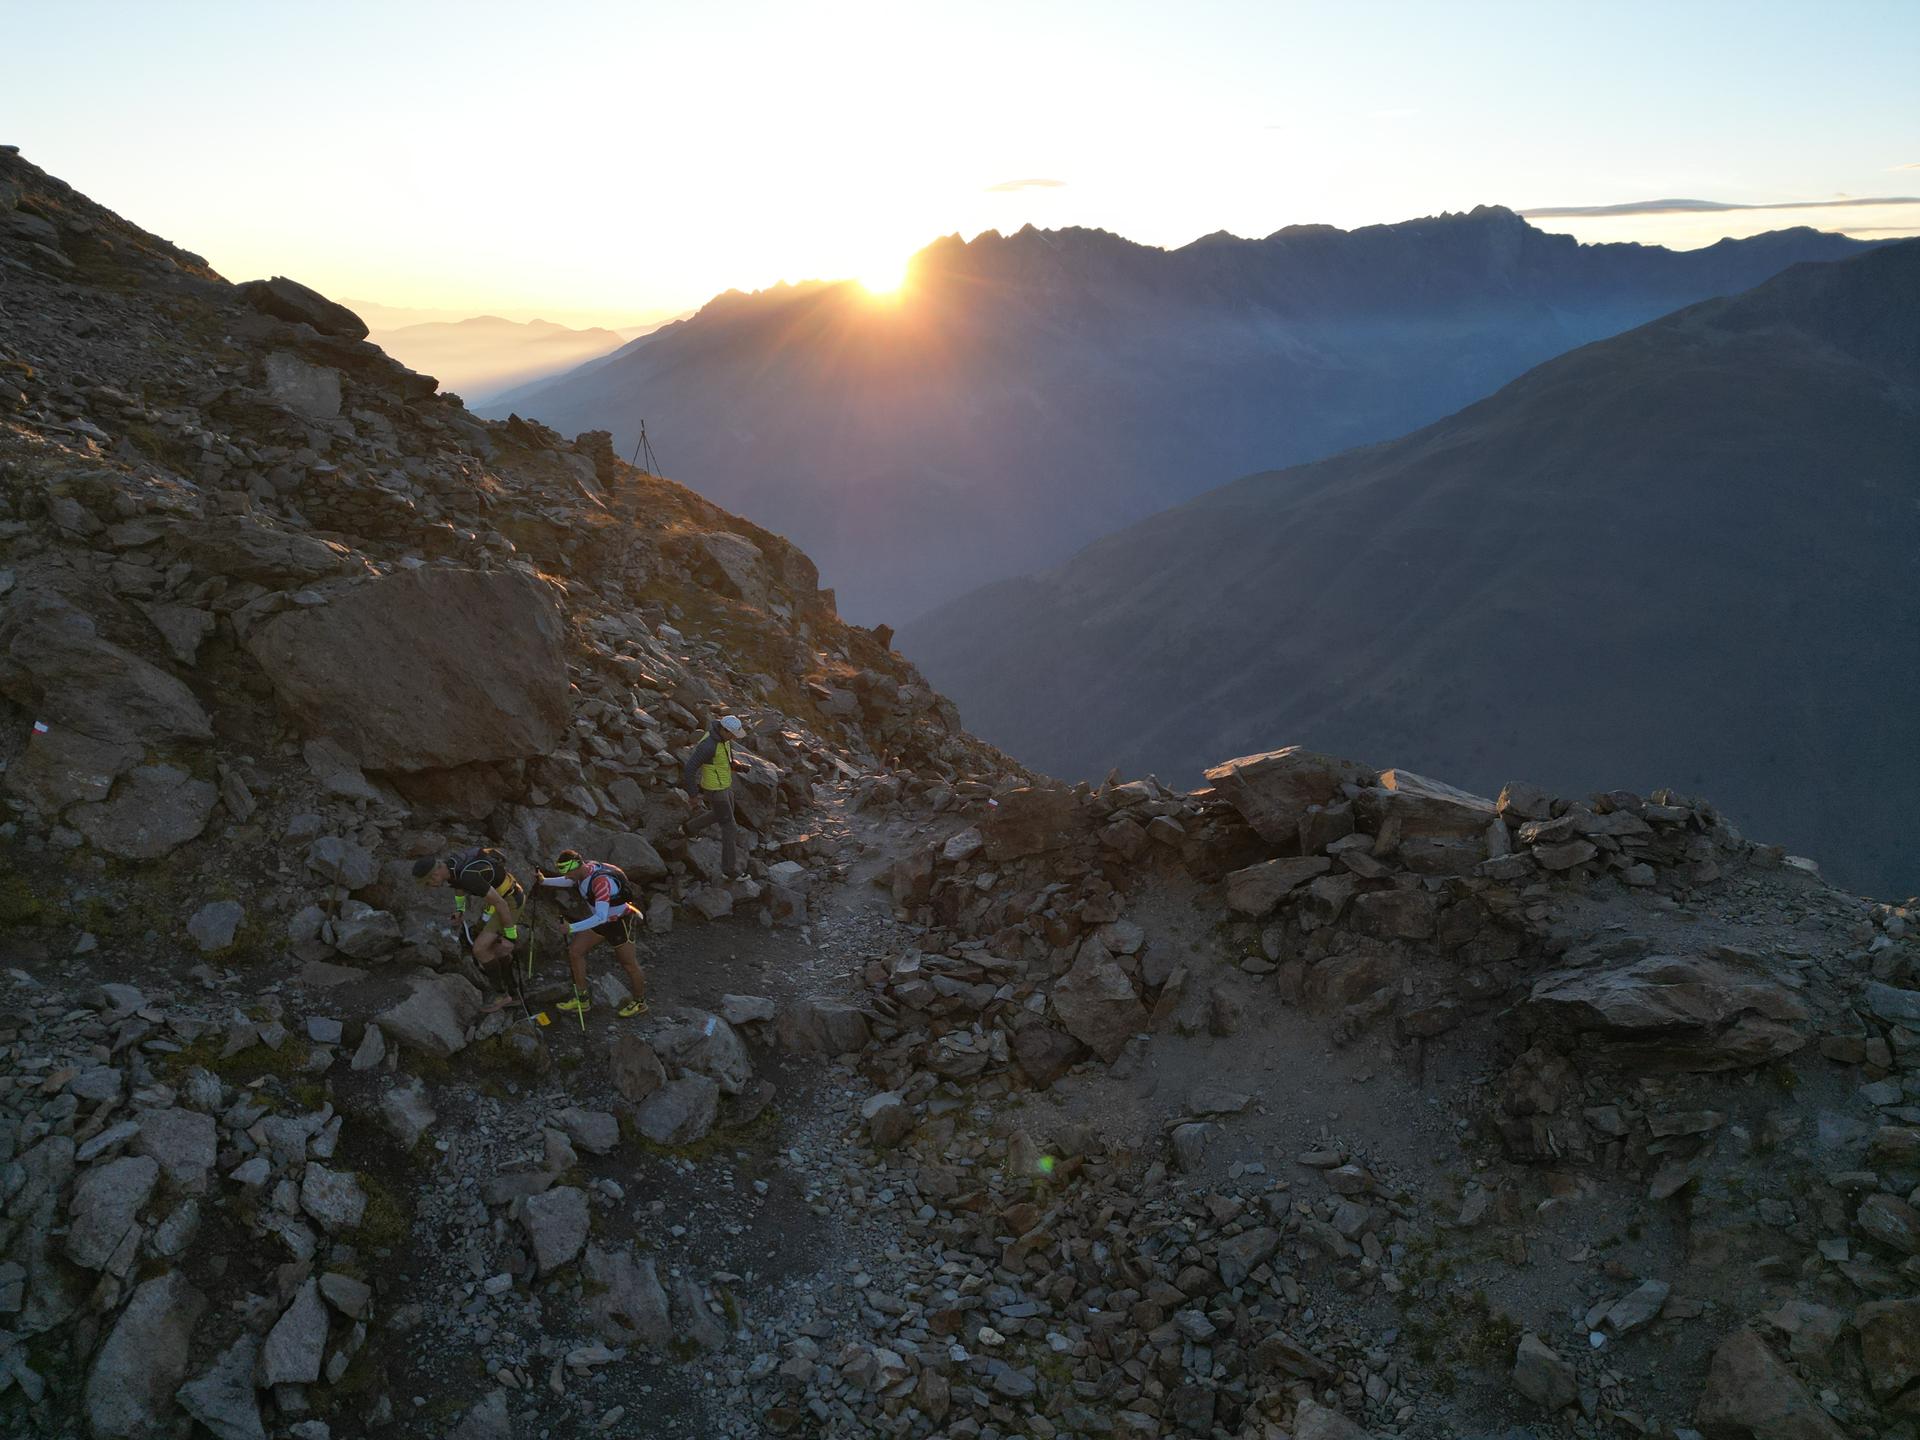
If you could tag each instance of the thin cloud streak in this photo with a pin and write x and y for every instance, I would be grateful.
(1007, 186)
(1693, 207)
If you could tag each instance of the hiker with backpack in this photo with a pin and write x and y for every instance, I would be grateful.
(480, 874)
(613, 917)
(710, 766)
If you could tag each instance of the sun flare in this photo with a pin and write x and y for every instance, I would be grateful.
(883, 277)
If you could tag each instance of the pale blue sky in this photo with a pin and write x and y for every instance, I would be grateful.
(610, 160)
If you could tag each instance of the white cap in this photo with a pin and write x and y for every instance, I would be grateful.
(732, 724)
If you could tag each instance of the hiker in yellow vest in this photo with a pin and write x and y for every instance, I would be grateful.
(709, 771)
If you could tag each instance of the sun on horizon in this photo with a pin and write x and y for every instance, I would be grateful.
(883, 277)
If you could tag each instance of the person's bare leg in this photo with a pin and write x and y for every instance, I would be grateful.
(490, 950)
(636, 977)
(577, 958)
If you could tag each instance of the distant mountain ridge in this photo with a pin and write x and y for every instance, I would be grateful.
(480, 357)
(1682, 556)
(1028, 393)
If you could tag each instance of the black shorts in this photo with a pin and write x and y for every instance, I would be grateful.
(622, 929)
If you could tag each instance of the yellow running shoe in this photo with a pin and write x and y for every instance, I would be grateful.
(579, 1005)
(633, 1008)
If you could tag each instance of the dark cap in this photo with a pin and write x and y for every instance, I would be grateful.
(423, 867)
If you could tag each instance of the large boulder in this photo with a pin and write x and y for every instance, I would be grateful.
(1889, 1345)
(1750, 1395)
(312, 391)
(1672, 1012)
(291, 301)
(55, 663)
(1258, 888)
(385, 669)
(1424, 807)
(185, 1143)
(435, 1015)
(1433, 828)
(152, 811)
(1030, 821)
(1097, 1005)
(222, 1397)
(820, 1027)
(629, 1302)
(129, 1394)
(680, 1112)
(298, 1341)
(708, 1045)
(557, 1222)
(106, 1204)
(731, 564)
(1272, 791)
(65, 767)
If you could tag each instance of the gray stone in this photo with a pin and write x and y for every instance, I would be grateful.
(154, 810)
(406, 1109)
(1192, 1142)
(746, 1009)
(488, 1420)
(361, 932)
(1889, 1345)
(1240, 1255)
(333, 1198)
(297, 1342)
(371, 1050)
(310, 391)
(185, 1142)
(222, 1397)
(594, 1131)
(889, 1119)
(213, 926)
(556, 1222)
(1637, 1307)
(1891, 1221)
(1274, 790)
(1902, 1007)
(297, 304)
(383, 670)
(635, 1068)
(629, 1303)
(346, 1294)
(343, 862)
(1542, 1376)
(106, 1204)
(820, 1027)
(1256, 890)
(708, 1045)
(1749, 1393)
(681, 1111)
(1096, 1004)
(130, 1389)
(435, 1016)
(1672, 1012)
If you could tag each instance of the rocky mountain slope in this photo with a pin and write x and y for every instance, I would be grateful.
(1684, 555)
(1321, 1102)
(480, 358)
(1024, 395)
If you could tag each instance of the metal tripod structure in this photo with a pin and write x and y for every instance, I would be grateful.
(645, 448)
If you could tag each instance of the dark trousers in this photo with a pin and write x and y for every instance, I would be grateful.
(720, 812)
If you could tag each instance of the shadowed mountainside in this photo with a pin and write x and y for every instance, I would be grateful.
(1685, 555)
(1024, 395)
